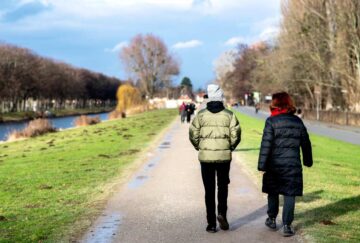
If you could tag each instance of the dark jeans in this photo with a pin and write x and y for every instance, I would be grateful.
(288, 209)
(209, 171)
(188, 117)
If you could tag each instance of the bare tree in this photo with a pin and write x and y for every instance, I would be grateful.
(149, 63)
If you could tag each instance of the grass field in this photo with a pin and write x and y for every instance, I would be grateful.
(52, 185)
(329, 211)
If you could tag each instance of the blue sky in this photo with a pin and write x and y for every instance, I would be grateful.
(90, 33)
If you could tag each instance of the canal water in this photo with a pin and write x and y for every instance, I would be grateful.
(58, 122)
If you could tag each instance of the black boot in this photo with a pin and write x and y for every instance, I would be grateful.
(224, 225)
(271, 223)
(287, 231)
(211, 228)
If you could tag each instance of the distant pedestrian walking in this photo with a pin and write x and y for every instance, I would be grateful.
(279, 158)
(215, 133)
(299, 113)
(182, 111)
(190, 108)
(257, 107)
(203, 104)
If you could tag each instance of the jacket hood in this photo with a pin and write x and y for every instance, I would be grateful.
(215, 106)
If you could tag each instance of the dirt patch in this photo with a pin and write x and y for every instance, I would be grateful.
(127, 136)
(327, 222)
(2, 218)
(33, 206)
(104, 156)
(45, 187)
(129, 152)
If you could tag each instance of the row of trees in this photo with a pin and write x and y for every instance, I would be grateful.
(316, 57)
(26, 76)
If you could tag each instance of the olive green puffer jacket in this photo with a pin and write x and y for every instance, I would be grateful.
(215, 135)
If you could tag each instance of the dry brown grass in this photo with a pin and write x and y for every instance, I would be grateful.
(34, 128)
(86, 120)
(116, 115)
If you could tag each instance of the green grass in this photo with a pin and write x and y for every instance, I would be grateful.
(52, 185)
(329, 211)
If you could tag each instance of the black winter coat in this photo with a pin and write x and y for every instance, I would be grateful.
(279, 157)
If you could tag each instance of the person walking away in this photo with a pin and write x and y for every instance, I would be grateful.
(203, 104)
(215, 132)
(188, 112)
(182, 111)
(284, 135)
(193, 108)
(257, 107)
(299, 113)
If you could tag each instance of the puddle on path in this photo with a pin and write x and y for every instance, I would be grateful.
(106, 229)
(140, 178)
(243, 191)
(108, 224)
(143, 174)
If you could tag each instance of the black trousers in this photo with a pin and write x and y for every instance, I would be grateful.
(188, 117)
(209, 171)
(288, 209)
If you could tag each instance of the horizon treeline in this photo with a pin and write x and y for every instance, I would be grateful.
(315, 57)
(27, 78)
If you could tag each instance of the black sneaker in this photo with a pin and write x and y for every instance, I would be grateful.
(211, 228)
(287, 231)
(271, 223)
(224, 225)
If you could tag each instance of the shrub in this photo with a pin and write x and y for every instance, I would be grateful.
(34, 128)
(116, 115)
(86, 120)
(128, 97)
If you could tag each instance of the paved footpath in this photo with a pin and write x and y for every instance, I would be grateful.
(164, 202)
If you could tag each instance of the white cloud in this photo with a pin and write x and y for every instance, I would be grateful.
(233, 41)
(269, 33)
(117, 47)
(263, 30)
(187, 44)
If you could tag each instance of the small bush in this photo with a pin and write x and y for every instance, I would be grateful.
(116, 115)
(34, 128)
(86, 120)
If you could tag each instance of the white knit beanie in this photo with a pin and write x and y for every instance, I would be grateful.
(215, 93)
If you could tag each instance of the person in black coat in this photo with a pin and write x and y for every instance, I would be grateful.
(284, 135)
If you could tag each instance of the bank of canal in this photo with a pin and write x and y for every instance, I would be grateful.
(58, 122)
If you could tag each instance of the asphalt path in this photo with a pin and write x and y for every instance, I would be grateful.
(344, 133)
(164, 202)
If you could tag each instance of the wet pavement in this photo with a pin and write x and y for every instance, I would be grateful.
(164, 202)
(348, 134)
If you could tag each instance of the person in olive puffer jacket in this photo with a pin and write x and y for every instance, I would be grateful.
(284, 135)
(215, 132)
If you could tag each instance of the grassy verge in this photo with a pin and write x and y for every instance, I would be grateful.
(20, 116)
(51, 183)
(329, 211)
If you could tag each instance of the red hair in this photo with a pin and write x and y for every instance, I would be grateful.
(282, 101)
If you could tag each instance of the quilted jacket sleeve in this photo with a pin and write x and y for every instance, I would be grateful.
(266, 145)
(306, 148)
(194, 132)
(235, 132)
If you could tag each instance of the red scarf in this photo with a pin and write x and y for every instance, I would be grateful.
(278, 111)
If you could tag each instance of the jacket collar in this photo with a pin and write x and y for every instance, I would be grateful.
(215, 106)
